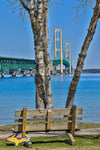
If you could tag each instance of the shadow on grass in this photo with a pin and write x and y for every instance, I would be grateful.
(66, 141)
(98, 137)
(88, 136)
(10, 144)
(43, 142)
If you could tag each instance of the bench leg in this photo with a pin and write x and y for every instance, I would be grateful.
(28, 144)
(24, 121)
(71, 139)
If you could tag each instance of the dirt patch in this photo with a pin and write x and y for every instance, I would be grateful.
(94, 131)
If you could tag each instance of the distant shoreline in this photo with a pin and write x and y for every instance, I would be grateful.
(85, 71)
(91, 71)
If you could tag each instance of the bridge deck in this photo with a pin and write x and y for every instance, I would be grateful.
(15, 64)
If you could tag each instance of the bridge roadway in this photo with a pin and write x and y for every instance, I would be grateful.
(13, 65)
(58, 62)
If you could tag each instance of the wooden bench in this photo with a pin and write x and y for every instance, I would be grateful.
(48, 120)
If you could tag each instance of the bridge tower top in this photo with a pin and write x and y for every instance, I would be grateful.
(59, 39)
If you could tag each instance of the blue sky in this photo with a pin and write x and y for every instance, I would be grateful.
(16, 38)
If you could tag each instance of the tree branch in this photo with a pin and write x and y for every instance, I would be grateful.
(23, 4)
(33, 14)
(40, 12)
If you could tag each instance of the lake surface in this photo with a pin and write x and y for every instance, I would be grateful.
(20, 91)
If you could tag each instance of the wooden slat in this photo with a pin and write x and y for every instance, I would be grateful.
(42, 120)
(52, 121)
(54, 112)
(61, 112)
(63, 126)
(61, 121)
(32, 113)
(18, 120)
(60, 126)
(64, 111)
(33, 121)
(42, 127)
(79, 111)
(18, 128)
(35, 127)
(78, 118)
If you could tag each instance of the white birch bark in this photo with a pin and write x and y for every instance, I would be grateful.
(36, 15)
(39, 22)
(49, 102)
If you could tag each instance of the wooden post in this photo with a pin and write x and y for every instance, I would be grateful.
(2, 75)
(71, 135)
(71, 139)
(48, 119)
(24, 121)
(14, 74)
(73, 119)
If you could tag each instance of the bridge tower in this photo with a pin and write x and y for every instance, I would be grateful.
(68, 54)
(59, 39)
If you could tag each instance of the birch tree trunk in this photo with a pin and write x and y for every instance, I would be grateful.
(82, 55)
(36, 15)
(39, 20)
(49, 103)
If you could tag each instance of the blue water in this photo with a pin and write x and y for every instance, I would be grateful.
(20, 91)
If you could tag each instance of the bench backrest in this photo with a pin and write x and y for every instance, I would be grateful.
(47, 119)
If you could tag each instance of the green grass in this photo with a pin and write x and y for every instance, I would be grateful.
(6, 127)
(59, 142)
(86, 125)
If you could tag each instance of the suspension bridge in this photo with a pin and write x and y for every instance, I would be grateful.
(16, 66)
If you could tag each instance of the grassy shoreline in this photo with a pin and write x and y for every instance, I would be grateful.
(83, 142)
(58, 143)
